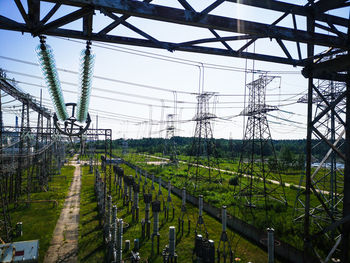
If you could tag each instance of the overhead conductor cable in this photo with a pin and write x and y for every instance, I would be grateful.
(86, 71)
(48, 67)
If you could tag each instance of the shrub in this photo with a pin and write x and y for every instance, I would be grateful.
(233, 180)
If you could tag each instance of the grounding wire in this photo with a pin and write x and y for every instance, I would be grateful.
(111, 114)
(152, 98)
(100, 89)
(128, 101)
(103, 78)
(129, 118)
(121, 81)
(178, 60)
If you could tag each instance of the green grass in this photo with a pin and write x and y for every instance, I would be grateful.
(39, 219)
(280, 217)
(92, 249)
(90, 243)
(185, 244)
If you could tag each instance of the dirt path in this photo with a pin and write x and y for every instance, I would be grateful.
(64, 243)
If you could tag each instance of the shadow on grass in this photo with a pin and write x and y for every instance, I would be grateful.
(96, 250)
(94, 210)
(96, 228)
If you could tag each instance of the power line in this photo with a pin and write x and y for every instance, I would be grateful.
(151, 98)
(178, 60)
(101, 89)
(120, 81)
(104, 78)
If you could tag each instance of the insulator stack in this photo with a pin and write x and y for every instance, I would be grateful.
(86, 71)
(48, 68)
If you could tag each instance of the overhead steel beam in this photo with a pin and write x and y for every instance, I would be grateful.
(22, 11)
(12, 25)
(24, 98)
(346, 200)
(325, 5)
(294, 9)
(64, 20)
(50, 13)
(265, 4)
(116, 23)
(190, 18)
(329, 69)
(34, 11)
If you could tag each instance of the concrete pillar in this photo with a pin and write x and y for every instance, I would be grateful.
(270, 245)
(160, 186)
(120, 242)
(172, 240)
(200, 205)
(152, 187)
(224, 219)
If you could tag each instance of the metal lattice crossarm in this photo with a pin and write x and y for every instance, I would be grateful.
(24, 98)
(332, 35)
(296, 44)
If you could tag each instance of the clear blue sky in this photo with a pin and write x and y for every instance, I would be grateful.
(132, 64)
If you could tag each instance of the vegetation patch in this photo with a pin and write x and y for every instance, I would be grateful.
(39, 219)
(90, 242)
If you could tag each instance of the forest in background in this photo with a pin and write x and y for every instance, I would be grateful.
(290, 153)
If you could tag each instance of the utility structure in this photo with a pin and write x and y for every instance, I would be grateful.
(27, 152)
(200, 226)
(327, 179)
(203, 163)
(183, 213)
(170, 144)
(325, 30)
(169, 252)
(256, 171)
(224, 249)
(169, 202)
(125, 147)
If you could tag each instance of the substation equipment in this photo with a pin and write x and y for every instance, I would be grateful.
(30, 156)
(323, 30)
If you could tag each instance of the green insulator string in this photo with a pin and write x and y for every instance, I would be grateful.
(86, 72)
(48, 68)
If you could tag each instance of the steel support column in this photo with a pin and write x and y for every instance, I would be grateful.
(310, 53)
(346, 200)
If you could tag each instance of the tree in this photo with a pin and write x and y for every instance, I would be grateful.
(286, 157)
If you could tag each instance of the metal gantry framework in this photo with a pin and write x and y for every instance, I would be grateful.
(169, 136)
(28, 156)
(203, 164)
(260, 180)
(120, 11)
(327, 178)
(322, 30)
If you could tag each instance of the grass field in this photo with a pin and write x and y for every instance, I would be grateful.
(39, 219)
(91, 247)
(90, 242)
(278, 216)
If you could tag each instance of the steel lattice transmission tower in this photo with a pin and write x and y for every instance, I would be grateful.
(125, 147)
(259, 177)
(169, 136)
(203, 164)
(327, 179)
